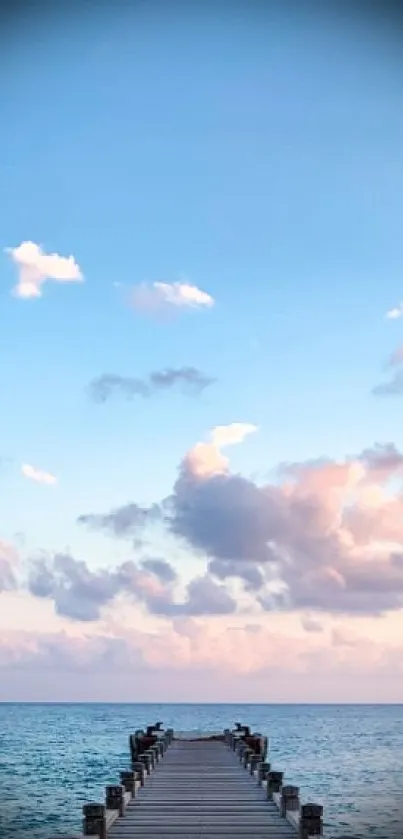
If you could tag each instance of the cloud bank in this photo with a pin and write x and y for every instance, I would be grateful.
(189, 661)
(328, 536)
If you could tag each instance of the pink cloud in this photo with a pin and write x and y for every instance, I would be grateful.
(326, 536)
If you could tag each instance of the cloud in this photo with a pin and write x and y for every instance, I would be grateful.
(80, 593)
(122, 521)
(205, 597)
(395, 313)
(394, 387)
(229, 435)
(161, 568)
(382, 461)
(193, 381)
(37, 475)
(157, 296)
(8, 564)
(251, 575)
(206, 458)
(64, 653)
(327, 536)
(35, 267)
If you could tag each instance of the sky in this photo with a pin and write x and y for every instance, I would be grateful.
(201, 355)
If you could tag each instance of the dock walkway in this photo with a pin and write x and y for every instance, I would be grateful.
(193, 786)
(199, 790)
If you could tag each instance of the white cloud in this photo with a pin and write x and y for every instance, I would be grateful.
(37, 475)
(229, 435)
(36, 267)
(154, 296)
(394, 314)
(205, 459)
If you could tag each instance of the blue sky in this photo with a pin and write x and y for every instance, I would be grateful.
(257, 156)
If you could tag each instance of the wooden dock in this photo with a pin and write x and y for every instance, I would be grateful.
(193, 787)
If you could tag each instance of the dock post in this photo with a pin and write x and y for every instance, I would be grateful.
(133, 746)
(139, 768)
(146, 761)
(274, 782)
(289, 799)
(156, 752)
(114, 798)
(264, 770)
(151, 755)
(311, 821)
(241, 746)
(254, 761)
(247, 754)
(94, 821)
(128, 781)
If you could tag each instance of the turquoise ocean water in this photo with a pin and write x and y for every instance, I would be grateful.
(54, 758)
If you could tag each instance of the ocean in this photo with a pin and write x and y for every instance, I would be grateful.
(55, 757)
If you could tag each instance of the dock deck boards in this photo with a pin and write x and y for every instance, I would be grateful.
(198, 790)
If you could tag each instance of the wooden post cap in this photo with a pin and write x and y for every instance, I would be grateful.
(128, 780)
(289, 791)
(310, 822)
(94, 821)
(95, 811)
(274, 782)
(114, 796)
(289, 799)
(264, 769)
(139, 769)
(276, 777)
(114, 793)
(312, 811)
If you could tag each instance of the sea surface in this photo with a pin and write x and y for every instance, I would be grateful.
(54, 758)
